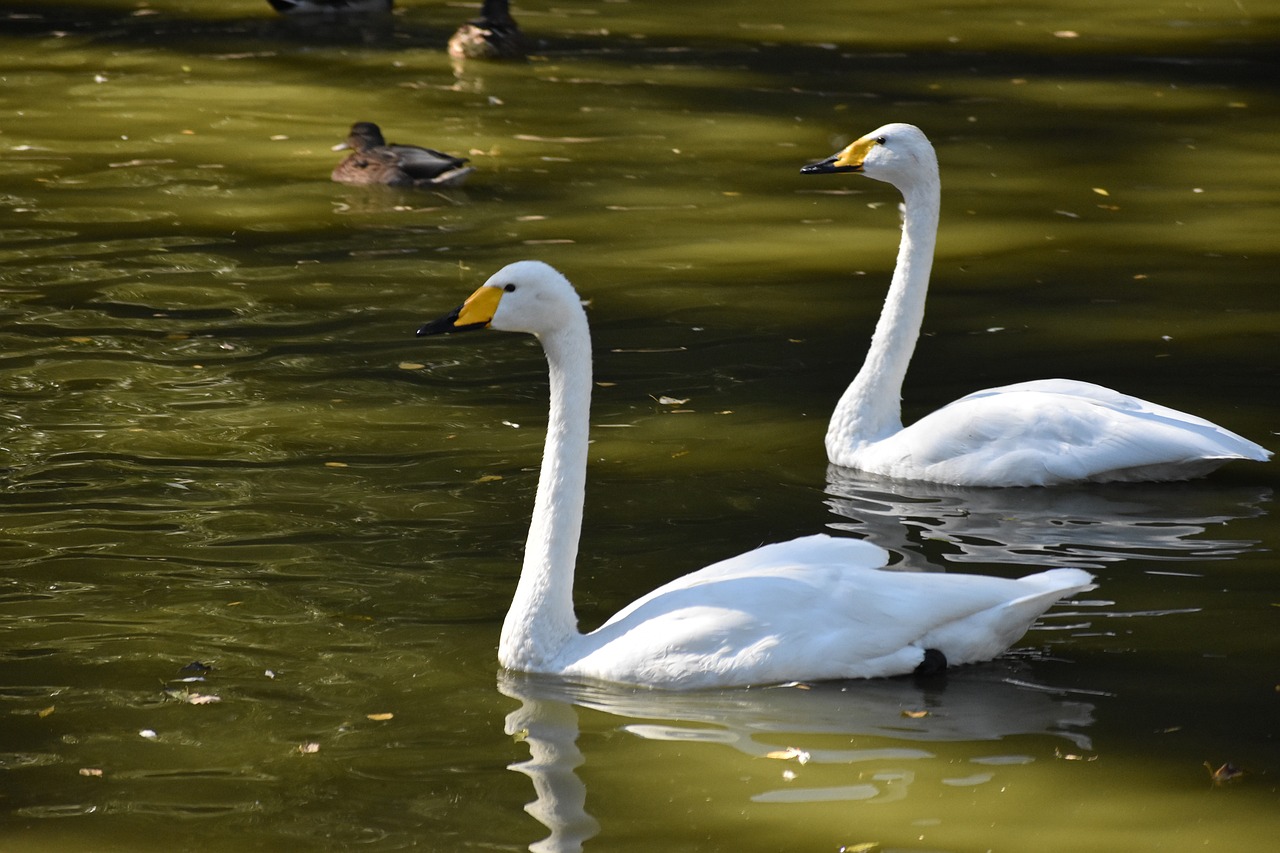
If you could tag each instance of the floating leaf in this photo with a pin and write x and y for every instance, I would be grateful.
(914, 715)
(335, 465)
(201, 699)
(378, 718)
(411, 365)
(861, 847)
(671, 401)
(309, 748)
(91, 771)
(44, 712)
(791, 753)
(489, 478)
(1100, 191)
(149, 734)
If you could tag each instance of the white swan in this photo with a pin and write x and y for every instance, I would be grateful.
(813, 608)
(1037, 433)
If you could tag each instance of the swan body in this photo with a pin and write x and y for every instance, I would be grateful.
(813, 608)
(373, 161)
(1039, 433)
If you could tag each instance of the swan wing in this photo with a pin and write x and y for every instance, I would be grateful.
(1055, 431)
(813, 608)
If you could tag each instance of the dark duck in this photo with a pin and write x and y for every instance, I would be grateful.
(373, 161)
(493, 35)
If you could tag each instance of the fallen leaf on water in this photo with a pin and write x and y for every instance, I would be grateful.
(1100, 191)
(309, 748)
(201, 699)
(489, 478)
(789, 754)
(671, 401)
(914, 715)
(380, 717)
(1224, 774)
(44, 712)
(411, 365)
(90, 771)
(863, 847)
(335, 465)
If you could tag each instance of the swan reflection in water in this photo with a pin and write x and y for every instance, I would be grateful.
(1077, 526)
(984, 703)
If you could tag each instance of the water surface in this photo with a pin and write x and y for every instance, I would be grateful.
(232, 473)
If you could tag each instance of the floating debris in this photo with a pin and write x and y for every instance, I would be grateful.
(791, 753)
(1222, 775)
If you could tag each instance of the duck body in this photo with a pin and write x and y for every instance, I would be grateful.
(813, 608)
(493, 35)
(373, 161)
(1039, 433)
(330, 7)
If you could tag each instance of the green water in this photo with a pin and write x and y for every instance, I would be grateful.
(222, 443)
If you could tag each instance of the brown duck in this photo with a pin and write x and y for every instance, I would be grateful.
(373, 161)
(493, 35)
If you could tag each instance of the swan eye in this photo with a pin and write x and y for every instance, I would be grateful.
(882, 140)
(509, 288)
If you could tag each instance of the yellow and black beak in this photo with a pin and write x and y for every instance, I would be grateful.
(476, 313)
(848, 159)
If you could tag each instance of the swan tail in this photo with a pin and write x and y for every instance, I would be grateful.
(990, 633)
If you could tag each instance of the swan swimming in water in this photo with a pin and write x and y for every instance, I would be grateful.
(1039, 433)
(814, 608)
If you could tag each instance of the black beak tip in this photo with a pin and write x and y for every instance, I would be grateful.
(440, 326)
(826, 167)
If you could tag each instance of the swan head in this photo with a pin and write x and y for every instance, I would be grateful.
(527, 296)
(898, 154)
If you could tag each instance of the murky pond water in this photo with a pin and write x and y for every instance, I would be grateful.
(258, 540)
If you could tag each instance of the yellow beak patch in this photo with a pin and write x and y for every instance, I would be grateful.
(479, 307)
(853, 155)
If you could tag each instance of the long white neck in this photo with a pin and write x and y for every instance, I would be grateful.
(541, 620)
(871, 408)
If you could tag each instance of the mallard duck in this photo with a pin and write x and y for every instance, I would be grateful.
(373, 161)
(814, 608)
(320, 7)
(493, 35)
(1039, 433)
